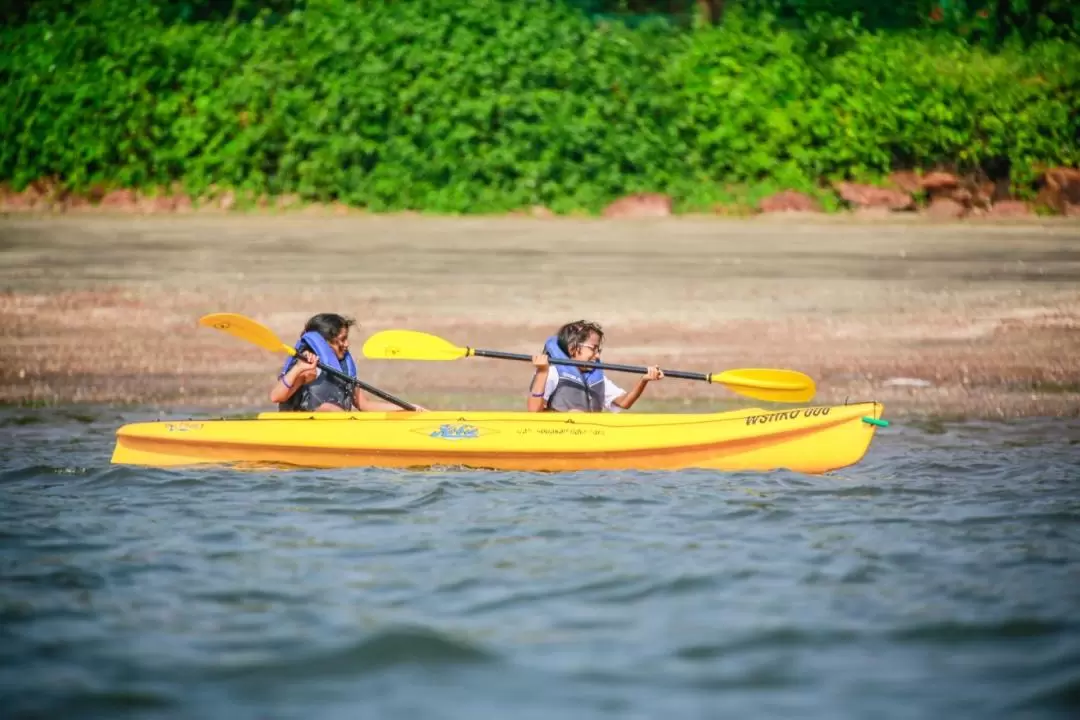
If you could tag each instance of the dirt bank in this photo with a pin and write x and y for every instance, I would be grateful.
(933, 319)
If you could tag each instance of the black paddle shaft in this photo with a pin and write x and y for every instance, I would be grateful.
(582, 363)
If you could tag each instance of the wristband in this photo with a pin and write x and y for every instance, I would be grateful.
(281, 377)
(539, 394)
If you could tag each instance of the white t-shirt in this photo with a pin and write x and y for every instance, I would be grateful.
(611, 390)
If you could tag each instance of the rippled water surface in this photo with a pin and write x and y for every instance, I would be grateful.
(938, 578)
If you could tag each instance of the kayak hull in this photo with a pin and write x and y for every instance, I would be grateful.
(807, 439)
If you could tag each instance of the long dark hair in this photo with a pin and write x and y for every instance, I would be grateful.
(329, 325)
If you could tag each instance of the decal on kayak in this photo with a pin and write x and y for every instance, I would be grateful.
(183, 426)
(456, 431)
(787, 415)
(561, 431)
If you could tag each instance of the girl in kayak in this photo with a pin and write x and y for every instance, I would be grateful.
(302, 386)
(568, 388)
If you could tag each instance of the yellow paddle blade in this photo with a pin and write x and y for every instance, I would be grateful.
(411, 345)
(768, 384)
(247, 329)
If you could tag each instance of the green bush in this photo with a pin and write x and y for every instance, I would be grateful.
(488, 106)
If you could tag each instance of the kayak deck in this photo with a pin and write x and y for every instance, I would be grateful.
(806, 439)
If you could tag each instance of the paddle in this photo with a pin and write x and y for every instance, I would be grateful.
(254, 332)
(786, 386)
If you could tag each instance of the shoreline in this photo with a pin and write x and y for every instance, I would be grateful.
(316, 212)
(974, 319)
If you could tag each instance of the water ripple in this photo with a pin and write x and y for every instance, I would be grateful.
(381, 651)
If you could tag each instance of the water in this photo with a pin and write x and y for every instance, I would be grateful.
(938, 578)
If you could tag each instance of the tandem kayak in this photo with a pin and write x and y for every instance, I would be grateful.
(805, 439)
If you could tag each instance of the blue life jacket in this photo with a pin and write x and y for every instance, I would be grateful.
(578, 388)
(325, 388)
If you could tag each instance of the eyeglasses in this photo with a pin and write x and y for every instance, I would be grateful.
(595, 348)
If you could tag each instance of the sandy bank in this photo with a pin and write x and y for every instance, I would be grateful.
(933, 319)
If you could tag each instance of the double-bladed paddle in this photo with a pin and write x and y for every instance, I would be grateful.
(773, 385)
(258, 334)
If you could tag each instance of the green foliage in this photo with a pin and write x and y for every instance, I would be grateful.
(488, 106)
(988, 22)
(20, 11)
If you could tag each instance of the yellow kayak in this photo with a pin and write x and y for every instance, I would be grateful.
(805, 439)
